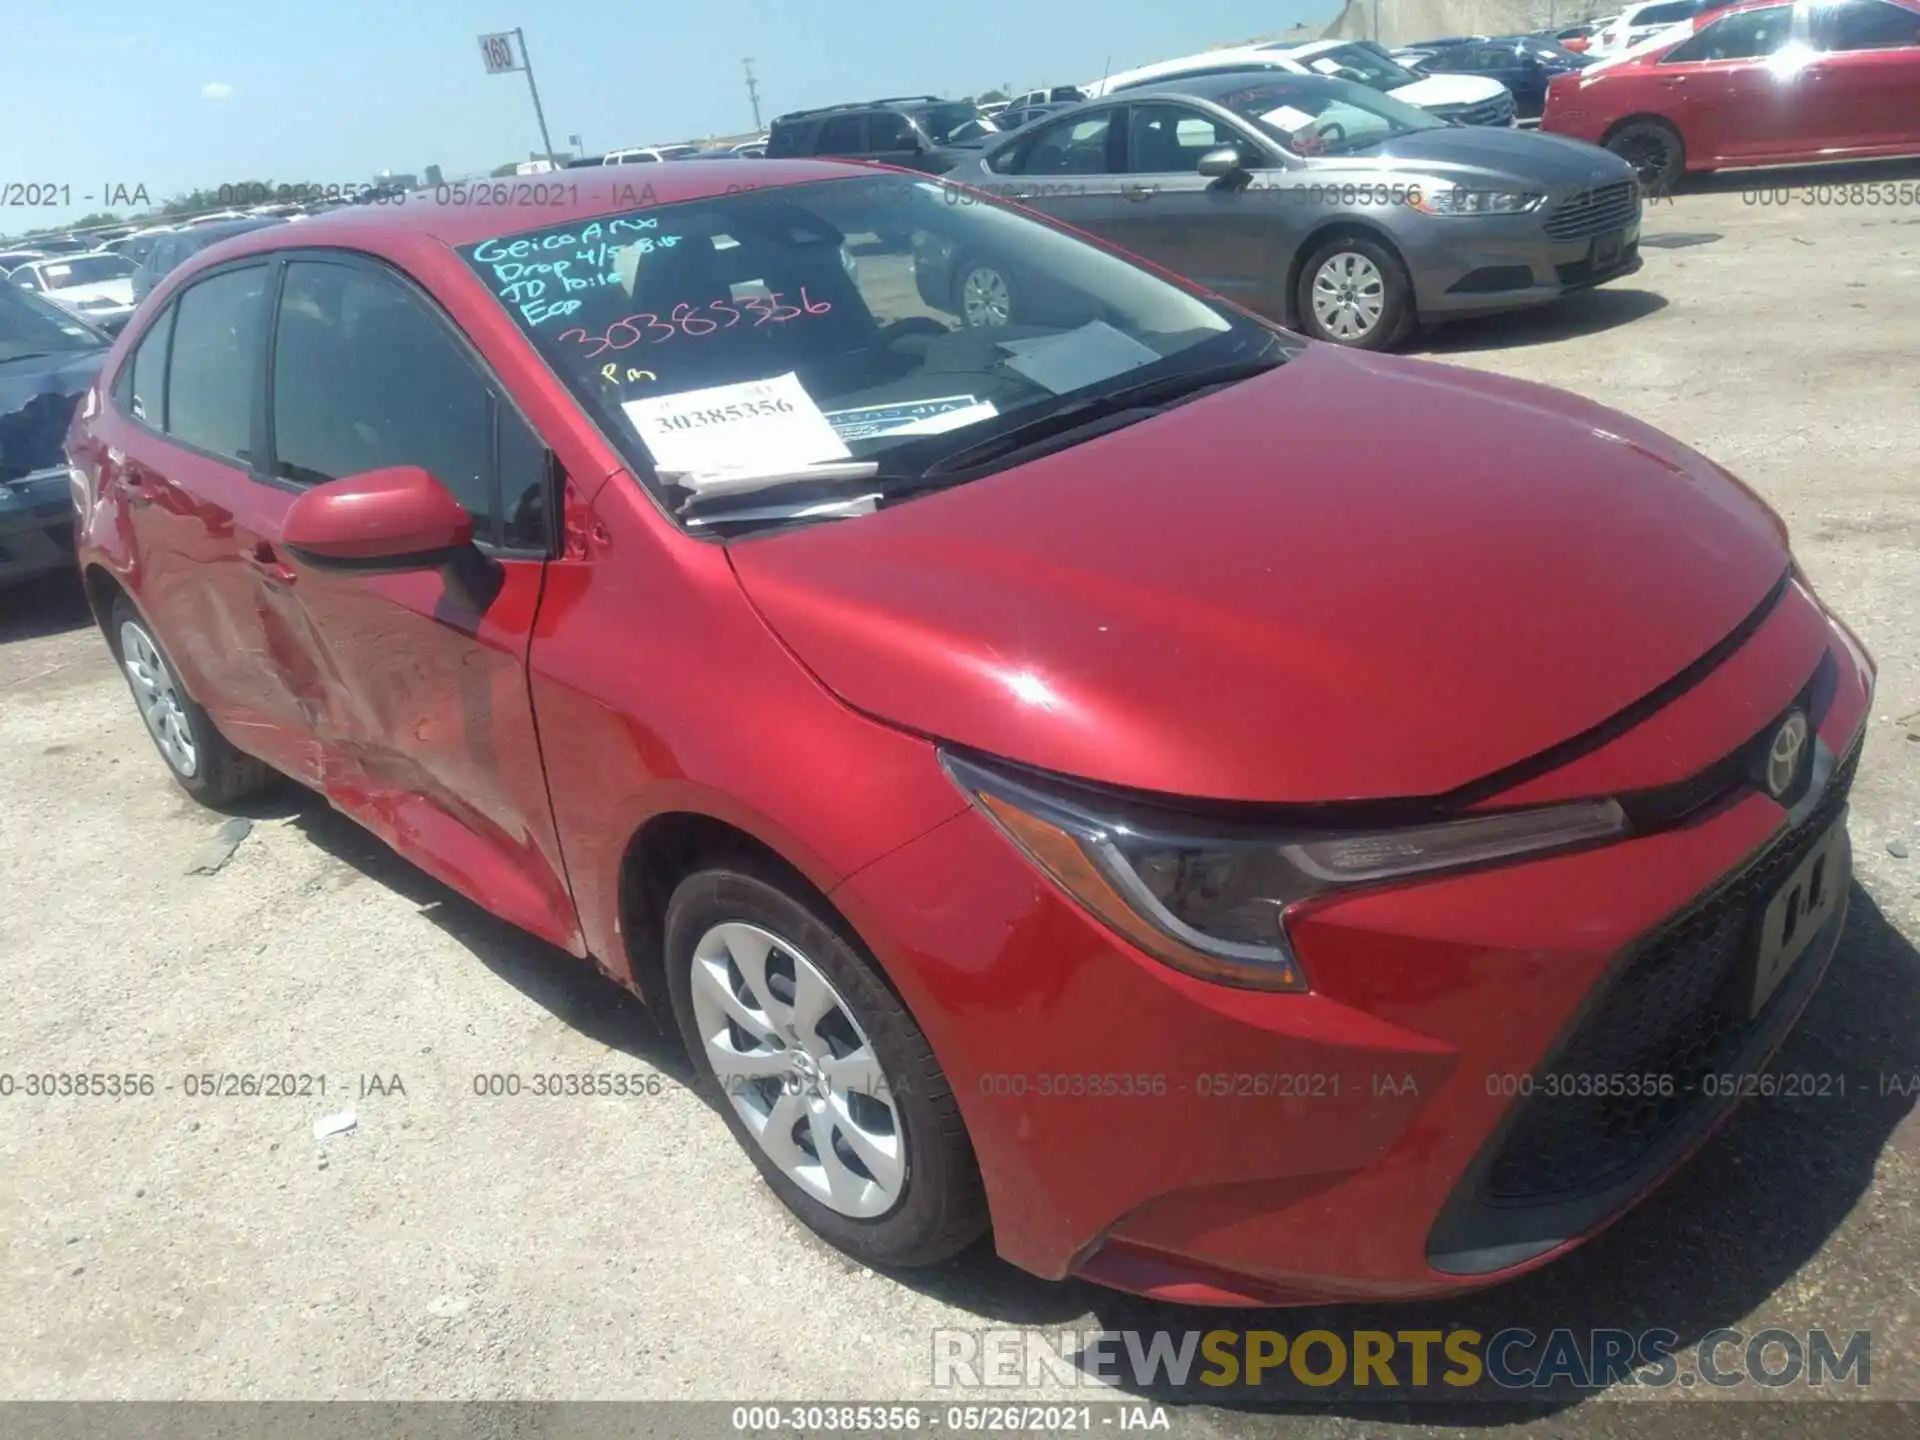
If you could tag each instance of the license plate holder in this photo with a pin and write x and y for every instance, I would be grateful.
(1797, 911)
(1606, 250)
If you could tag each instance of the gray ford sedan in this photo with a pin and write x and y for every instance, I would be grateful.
(1318, 202)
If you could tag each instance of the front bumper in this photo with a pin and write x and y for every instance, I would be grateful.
(1483, 266)
(1151, 1131)
(36, 524)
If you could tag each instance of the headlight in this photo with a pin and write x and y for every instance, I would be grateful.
(1459, 201)
(1214, 903)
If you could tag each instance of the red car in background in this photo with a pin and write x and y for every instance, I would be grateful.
(1754, 84)
(1099, 778)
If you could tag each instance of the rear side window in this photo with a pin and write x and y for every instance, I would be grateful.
(1069, 147)
(218, 326)
(1745, 36)
(1865, 25)
(365, 377)
(143, 384)
(788, 140)
(843, 135)
(891, 131)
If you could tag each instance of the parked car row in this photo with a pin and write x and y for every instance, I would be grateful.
(659, 154)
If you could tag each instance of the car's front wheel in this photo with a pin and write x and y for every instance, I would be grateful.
(1354, 291)
(202, 762)
(818, 1069)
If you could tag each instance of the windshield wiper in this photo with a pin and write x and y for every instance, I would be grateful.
(722, 485)
(820, 491)
(1149, 397)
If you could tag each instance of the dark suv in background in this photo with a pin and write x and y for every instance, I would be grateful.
(48, 358)
(920, 132)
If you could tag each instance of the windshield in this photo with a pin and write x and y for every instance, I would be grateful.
(32, 326)
(85, 270)
(1370, 67)
(1314, 116)
(792, 325)
(946, 124)
(1554, 54)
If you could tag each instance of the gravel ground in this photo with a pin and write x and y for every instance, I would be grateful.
(453, 1247)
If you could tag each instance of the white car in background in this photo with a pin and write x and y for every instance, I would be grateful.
(1470, 99)
(97, 285)
(1638, 23)
(648, 154)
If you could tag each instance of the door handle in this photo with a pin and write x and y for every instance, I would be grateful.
(1138, 193)
(262, 559)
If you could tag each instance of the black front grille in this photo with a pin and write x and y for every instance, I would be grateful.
(1594, 212)
(1668, 1013)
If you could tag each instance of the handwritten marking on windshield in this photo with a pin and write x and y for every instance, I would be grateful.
(631, 330)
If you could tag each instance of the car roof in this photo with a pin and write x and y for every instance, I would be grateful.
(1212, 87)
(596, 193)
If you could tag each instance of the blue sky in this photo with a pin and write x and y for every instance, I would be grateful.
(200, 92)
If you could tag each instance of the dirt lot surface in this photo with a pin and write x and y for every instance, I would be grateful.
(451, 1246)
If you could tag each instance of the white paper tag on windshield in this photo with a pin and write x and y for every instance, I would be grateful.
(1324, 65)
(1288, 118)
(758, 425)
(1086, 356)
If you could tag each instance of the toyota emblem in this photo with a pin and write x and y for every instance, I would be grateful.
(1783, 756)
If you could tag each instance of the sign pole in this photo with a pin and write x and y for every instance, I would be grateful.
(526, 63)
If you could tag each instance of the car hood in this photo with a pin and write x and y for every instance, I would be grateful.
(1449, 90)
(1533, 156)
(1355, 577)
(37, 397)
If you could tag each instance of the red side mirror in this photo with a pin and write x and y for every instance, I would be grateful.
(380, 521)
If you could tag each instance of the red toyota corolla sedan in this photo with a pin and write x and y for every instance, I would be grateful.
(1754, 84)
(1218, 809)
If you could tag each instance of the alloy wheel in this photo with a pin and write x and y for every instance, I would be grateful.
(985, 300)
(798, 1069)
(158, 695)
(1650, 158)
(1349, 295)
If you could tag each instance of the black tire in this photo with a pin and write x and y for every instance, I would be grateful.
(1397, 316)
(1656, 152)
(988, 313)
(218, 774)
(942, 1206)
